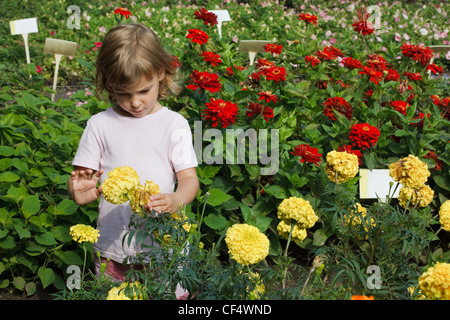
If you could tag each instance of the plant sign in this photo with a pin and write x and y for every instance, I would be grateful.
(376, 184)
(24, 27)
(222, 16)
(252, 47)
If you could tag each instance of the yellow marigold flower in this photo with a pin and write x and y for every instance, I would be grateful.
(359, 218)
(418, 295)
(118, 293)
(410, 171)
(142, 194)
(83, 233)
(344, 164)
(260, 288)
(298, 233)
(246, 244)
(444, 215)
(298, 209)
(435, 282)
(121, 181)
(421, 196)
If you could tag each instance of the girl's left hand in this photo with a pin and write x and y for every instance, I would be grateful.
(163, 202)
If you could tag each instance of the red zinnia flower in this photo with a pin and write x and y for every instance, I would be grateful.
(417, 53)
(197, 36)
(363, 27)
(211, 57)
(400, 106)
(444, 104)
(364, 135)
(435, 157)
(434, 68)
(220, 110)
(308, 18)
(275, 73)
(175, 64)
(274, 48)
(123, 12)
(348, 149)
(339, 104)
(374, 75)
(313, 60)
(38, 69)
(332, 51)
(307, 154)
(351, 63)
(263, 64)
(412, 75)
(207, 16)
(204, 80)
(392, 75)
(267, 96)
(256, 108)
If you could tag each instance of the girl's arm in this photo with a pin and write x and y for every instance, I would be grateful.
(82, 185)
(187, 189)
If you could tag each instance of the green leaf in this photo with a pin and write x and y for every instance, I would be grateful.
(30, 206)
(69, 257)
(442, 182)
(30, 288)
(319, 238)
(46, 275)
(8, 177)
(276, 191)
(46, 239)
(19, 283)
(6, 151)
(215, 221)
(217, 197)
(7, 243)
(66, 207)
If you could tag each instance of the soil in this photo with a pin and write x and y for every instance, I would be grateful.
(14, 294)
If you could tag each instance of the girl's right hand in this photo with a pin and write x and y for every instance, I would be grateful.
(82, 185)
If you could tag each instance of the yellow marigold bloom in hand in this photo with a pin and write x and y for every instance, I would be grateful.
(121, 181)
(284, 228)
(246, 244)
(410, 171)
(83, 233)
(435, 282)
(444, 215)
(142, 194)
(421, 196)
(298, 209)
(118, 293)
(344, 164)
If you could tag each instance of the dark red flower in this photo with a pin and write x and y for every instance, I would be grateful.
(364, 135)
(412, 75)
(175, 64)
(363, 27)
(273, 48)
(308, 18)
(212, 58)
(332, 51)
(307, 154)
(340, 105)
(435, 157)
(256, 108)
(230, 71)
(444, 104)
(417, 53)
(123, 12)
(267, 96)
(207, 16)
(313, 60)
(351, 63)
(275, 73)
(197, 36)
(400, 106)
(348, 148)
(263, 64)
(204, 80)
(222, 111)
(435, 68)
(419, 124)
(392, 75)
(374, 75)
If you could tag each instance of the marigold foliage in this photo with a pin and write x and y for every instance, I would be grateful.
(358, 218)
(341, 166)
(435, 282)
(246, 244)
(83, 233)
(121, 181)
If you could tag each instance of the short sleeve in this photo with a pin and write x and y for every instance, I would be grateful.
(181, 154)
(89, 149)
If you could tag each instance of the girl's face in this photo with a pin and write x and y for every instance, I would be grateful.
(139, 100)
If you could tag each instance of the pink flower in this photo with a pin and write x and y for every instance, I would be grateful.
(332, 40)
(397, 37)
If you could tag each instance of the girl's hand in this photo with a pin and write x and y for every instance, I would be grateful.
(163, 202)
(82, 185)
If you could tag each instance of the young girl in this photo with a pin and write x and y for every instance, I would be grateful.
(137, 131)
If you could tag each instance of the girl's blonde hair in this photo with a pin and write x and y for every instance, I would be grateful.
(128, 52)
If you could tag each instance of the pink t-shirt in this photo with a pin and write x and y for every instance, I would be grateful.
(157, 146)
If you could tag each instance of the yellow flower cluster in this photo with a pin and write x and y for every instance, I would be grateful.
(358, 219)
(260, 288)
(435, 282)
(298, 211)
(246, 244)
(142, 194)
(444, 215)
(341, 166)
(412, 173)
(118, 293)
(83, 233)
(121, 181)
